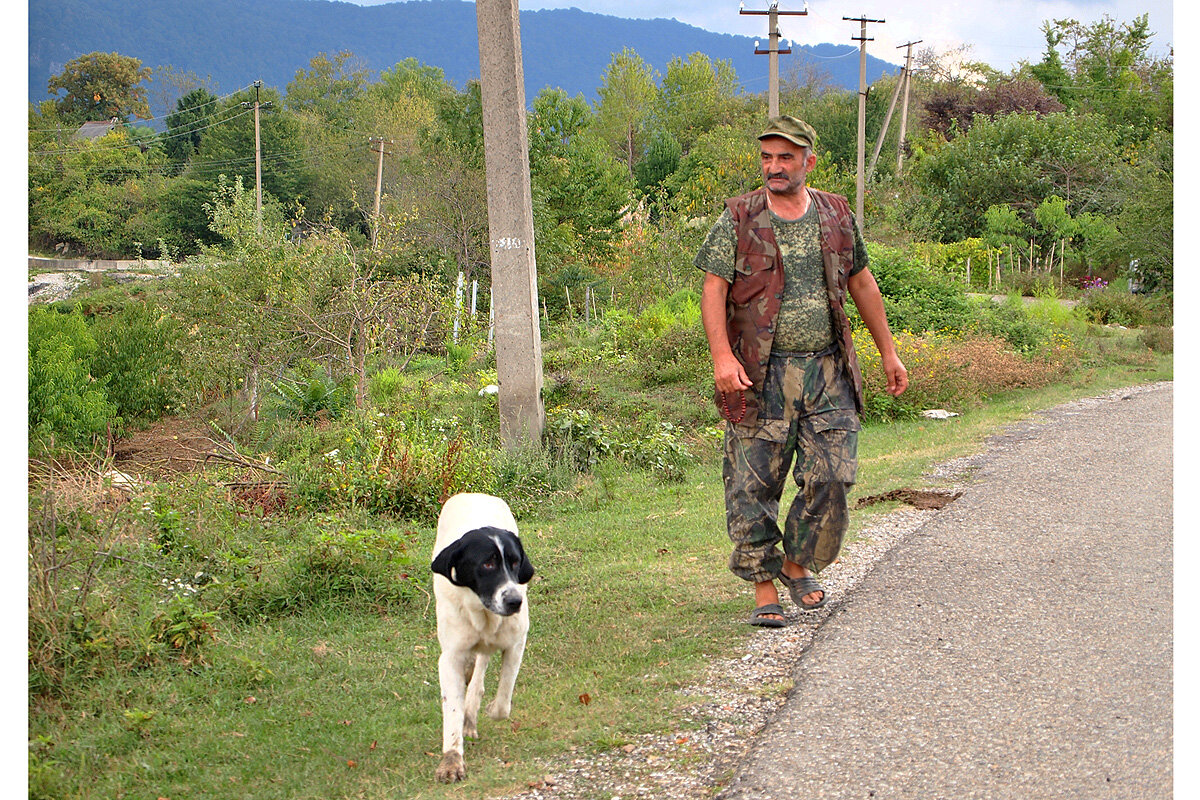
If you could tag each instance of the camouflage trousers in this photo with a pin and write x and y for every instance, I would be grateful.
(807, 415)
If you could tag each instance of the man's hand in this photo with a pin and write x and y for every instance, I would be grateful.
(897, 375)
(729, 375)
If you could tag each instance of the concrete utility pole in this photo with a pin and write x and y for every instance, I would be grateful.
(862, 112)
(510, 223)
(773, 50)
(904, 108)
(257, 154)
(378, 184)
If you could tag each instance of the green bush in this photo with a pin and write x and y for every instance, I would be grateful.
(586, 442)
(659, 452)
(1011, 322)
(582, 441)
(342, 565)
(138, 358)
(325, 563)
(1115, 306)
(916, 300)
(68, 407)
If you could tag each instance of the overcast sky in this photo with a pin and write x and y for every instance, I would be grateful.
(1000, 33)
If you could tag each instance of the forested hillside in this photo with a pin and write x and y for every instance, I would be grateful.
(234, 43)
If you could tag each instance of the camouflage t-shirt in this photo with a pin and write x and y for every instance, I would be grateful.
(804, 323)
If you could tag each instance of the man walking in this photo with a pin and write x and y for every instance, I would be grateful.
(779, 262)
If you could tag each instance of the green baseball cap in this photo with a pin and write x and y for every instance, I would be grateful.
(796, 131)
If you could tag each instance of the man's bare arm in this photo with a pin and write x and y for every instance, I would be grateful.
(869, 302)
(728, 372)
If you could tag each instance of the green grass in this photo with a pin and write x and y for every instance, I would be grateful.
(340, 700)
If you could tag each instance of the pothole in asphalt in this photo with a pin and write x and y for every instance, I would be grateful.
(927, 499)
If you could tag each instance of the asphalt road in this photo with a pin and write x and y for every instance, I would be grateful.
(1019, 645)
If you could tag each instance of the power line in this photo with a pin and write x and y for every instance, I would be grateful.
(150, 119)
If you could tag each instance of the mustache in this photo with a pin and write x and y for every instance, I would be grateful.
(783, 175)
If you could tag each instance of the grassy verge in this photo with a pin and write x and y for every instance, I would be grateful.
(340, 700)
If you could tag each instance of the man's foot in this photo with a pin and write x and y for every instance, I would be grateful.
(766, 595)
(768, 616)
(791, 576)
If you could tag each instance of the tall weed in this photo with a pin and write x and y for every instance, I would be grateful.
(405, 467)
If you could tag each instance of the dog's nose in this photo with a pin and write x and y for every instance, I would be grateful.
(512, 603)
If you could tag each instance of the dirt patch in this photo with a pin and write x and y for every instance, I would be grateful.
(170, 446)
(925, 499)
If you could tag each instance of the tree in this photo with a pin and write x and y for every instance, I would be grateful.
(1146, 215)
(82, 197)
(230, 299)
(227, 148)
(1055, 223)
(1051, 71)
(329, 88)
(438, 212)
(168, 85)
(951, 110)
(328, 103)
(348, 314)
(101, 86)
(723, 162)
(696, 95)
(626, 105)
(661, 159)
(411, 78)
(460, 123)
(576, 182)
(1014, 159)
(1106, 68)
(194, 112)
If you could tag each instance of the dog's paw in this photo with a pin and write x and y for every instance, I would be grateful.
(499, 710)
(470, 729)
(451, 768)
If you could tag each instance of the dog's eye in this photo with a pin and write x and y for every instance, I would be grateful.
(490, 564)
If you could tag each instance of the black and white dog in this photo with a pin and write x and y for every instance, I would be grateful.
(480, 576)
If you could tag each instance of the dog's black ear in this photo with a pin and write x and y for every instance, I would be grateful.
(446, 562)
(525, 568)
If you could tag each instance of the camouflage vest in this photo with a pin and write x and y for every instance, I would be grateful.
(757, 292)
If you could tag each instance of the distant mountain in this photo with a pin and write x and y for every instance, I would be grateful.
(236, 42)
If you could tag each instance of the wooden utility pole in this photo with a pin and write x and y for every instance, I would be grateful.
(903, 82)
(773, 50)
(887, 120)
(904, 108)
(257, 155)
(510, 223)
(378, 184)
(860, 176)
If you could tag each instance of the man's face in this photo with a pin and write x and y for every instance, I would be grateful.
(785, 165)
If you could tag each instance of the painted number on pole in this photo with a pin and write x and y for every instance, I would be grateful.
(507, 243)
